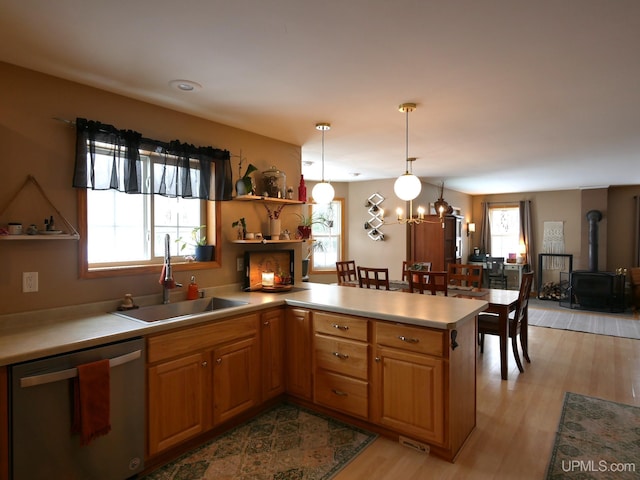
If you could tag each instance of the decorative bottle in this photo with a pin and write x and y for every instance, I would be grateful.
(192, 292)
(302, 190)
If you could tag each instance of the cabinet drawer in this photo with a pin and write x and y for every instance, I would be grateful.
(196, 338)
(341, 356)
(342, 393)
(340, 325)
(414, 339)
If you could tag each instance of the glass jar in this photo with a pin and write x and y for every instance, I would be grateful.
(274, 183)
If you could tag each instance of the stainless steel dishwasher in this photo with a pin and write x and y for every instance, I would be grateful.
(42, 446)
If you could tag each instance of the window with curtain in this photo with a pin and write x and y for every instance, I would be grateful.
(328, 238)
(135, 190)
(505, 231)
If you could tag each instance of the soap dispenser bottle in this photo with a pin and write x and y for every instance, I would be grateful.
(192, 292)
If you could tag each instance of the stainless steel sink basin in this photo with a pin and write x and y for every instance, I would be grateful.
(155, 313)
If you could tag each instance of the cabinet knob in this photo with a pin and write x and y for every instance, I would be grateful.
(340, 393)
(219, 361)
(204, 364)
(266, 323)
(377, 359)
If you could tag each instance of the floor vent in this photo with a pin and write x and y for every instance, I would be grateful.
(413, 444)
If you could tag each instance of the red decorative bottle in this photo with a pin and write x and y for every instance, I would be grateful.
(302, 190)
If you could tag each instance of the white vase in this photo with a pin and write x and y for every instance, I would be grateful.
(274, 228)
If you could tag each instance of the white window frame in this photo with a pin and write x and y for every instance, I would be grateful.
(334, 234)
(208, 213)
(505, 230)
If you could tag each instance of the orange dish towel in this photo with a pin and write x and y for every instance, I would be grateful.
(91, 401)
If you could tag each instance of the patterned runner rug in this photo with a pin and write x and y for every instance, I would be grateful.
(620, 325)
(285, 443)
(596, 439)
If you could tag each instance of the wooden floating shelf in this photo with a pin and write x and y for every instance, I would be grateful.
(253, 198)
(62, 236)
(256, 242)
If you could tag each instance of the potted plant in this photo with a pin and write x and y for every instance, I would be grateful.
(305, 222)
(244, 185)
(313, 247)
(204, 252)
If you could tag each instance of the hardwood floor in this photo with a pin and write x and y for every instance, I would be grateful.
(517, 418)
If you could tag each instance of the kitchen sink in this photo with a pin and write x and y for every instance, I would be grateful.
(155, 313)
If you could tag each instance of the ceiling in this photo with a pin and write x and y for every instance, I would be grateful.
(512, 96)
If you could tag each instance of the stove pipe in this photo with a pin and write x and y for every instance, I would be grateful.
(593, 217)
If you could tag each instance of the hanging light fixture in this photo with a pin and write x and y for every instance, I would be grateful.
(407, 186)
(323, 192)
(441, 206)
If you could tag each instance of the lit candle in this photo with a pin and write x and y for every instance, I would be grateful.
(421, 213)
(267, 279)
(382, 213)
(399, 213)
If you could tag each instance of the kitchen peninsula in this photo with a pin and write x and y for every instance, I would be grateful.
(402, 364)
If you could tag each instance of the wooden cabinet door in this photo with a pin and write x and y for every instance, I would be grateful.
(236, 378)
(408, 393)
(177, 399)
(272, 351)
(298, 352)
(427, 243)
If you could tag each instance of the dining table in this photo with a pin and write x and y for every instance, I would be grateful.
(502, 303)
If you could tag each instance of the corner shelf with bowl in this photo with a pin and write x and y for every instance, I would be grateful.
(71, 234)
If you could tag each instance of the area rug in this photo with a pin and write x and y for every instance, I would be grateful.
(596, 439)
(285, 443)
(589, 322)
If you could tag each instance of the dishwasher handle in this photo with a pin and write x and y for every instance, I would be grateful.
(34, 380)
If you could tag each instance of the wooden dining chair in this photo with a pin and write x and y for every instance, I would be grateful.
(377, 278)
(347, 274)
(518, 325)
(433, 282)
(464, 275)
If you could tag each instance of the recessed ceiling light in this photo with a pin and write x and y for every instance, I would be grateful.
(307, 163)
(185, 85)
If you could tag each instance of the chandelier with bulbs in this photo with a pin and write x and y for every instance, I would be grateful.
(407, 186)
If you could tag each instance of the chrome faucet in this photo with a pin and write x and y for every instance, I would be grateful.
(166, 277)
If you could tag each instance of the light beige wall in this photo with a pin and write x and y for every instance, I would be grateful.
(34, 143)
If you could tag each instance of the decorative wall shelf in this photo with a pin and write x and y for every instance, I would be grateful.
(256, 242)
(260, 198)
(72, 233)
(62, 236)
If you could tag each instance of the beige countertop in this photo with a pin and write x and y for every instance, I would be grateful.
(31, 335)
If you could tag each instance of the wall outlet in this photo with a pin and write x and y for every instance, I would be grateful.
(29, 282)
(239, 264)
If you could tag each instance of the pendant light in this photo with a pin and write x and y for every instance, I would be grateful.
(407, 186)
(323, 192)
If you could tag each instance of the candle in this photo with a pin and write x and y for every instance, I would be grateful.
(399, 213)
(267, 279)
(421, 213)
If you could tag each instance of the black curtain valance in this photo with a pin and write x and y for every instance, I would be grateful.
(179, 169)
